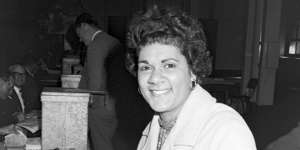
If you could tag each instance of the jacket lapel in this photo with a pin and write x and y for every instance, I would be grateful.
(150, 135)
(15, 98)
(185, 131)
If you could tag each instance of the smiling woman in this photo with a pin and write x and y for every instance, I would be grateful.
(168, 54)
(165, 78)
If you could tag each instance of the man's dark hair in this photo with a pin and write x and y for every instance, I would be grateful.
(85, 18)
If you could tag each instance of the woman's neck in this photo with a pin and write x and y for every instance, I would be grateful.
(169, 116)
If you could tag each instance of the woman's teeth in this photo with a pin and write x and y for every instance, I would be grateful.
(159, 92)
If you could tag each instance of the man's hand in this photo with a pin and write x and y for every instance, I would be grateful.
(19, 115)
(35, 114)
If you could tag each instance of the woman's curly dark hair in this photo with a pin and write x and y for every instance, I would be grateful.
(172, 27)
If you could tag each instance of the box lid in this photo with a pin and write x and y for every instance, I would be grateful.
(67, 91)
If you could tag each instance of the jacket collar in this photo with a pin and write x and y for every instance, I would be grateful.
(95, 34)
(184, 131)
(192, 115)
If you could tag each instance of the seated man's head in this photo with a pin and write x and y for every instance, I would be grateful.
(18, 74)
(85, 26)
(6, 85)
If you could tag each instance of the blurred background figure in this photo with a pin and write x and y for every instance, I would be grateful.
(26, 88)
(102, 119)
(18, 75)
(9, 107)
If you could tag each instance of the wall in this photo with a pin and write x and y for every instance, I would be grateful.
(14, 26)
(203, 8)
(18, 22)
(232, 18)
(288, 73)
(290, 18)
(20, 30)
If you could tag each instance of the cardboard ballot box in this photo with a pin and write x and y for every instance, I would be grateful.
(64, 118)
(70, 81)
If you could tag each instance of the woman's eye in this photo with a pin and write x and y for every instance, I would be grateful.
(144, 68)
(170, 66)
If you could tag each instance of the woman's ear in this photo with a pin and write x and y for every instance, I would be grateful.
(193, 80)
(193, 76)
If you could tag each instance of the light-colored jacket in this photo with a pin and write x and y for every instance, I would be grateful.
(202, 124)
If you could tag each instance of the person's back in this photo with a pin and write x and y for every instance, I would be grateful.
(8, 106)
(102, 118)
(7, 112)
(31, 93)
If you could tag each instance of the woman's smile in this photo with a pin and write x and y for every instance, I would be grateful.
(159, 92)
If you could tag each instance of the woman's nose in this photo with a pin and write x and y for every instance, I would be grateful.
(155, 77)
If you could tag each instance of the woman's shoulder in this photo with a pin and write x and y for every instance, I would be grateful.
(227, 128)
(226, 121)
(222, 113)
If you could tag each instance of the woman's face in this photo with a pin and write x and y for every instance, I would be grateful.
(164, 77)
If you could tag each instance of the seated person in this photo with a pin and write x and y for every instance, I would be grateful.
(9, 110)
(12, 119)
(25, 89)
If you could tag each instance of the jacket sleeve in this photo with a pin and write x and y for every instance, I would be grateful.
(235, 136)
(230, 132)
(6, 114)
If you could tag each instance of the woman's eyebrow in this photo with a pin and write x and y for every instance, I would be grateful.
(169, 59)
(143, 61)
(163, 61)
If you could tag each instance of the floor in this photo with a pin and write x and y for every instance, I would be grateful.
(270, 122)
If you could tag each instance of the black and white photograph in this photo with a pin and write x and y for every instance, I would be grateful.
(149, 74)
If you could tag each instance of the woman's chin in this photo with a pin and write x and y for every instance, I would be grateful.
(160, 109)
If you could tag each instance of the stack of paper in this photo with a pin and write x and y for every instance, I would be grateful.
(32, 125)
(33, 144)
